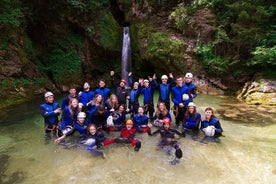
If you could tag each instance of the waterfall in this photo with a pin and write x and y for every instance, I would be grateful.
(126, 54)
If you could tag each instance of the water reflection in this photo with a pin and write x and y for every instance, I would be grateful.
(247, 154)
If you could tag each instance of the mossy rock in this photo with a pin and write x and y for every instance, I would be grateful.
(259, 98)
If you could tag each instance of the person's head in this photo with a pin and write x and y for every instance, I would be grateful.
(92, 129)
(140, 111)
(86, 86)
(161, 106)
(81, 117)
(73, 103)
(209, 113)
(101, 83)
(49, 97)
(191, 108)
(98, 98)
(135, 85)
(113, 99)
(166, 123)
(121, 108)
(164, 79)
(123, 82)
(188, 77)
(146, 83)
(129, 124)
(179, 81)
(72, 91)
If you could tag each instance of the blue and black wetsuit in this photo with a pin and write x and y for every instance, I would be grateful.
(191, 91)
(177, 93)
(50, 117)
(148, 99)
(140, 122)
(164, 92)
(213, 122)
(67, 121)
(85, 97)
(105, 92)
(191, 124)
(81, 128)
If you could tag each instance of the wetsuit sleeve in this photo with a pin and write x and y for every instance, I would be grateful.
(46, 114)
(175, 101)
(188, 101)
(177, 132)
(218, 127)
(153, 133)
(198, 121)
(130, 81)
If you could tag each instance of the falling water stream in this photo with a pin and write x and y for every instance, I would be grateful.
(126, 54)
(247, 153)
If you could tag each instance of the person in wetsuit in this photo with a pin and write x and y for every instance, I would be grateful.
(168, 141)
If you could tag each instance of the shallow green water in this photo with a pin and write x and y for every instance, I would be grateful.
(247, 154)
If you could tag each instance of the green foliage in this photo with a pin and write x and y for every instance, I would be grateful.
(264, 57)
(10, 13)
(85, 6)
(245, 33)
(165, 49)
(110, 32)
(213, 64)
(180, 17)
(64, 59)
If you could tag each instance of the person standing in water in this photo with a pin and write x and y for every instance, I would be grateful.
(165, 89)
(50, 111)
(191, 91)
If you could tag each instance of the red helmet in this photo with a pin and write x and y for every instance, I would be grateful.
(124, 81)
(166, 120)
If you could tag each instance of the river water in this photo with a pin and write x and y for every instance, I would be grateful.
(247, 153)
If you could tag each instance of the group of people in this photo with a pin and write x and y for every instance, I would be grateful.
(95, 114)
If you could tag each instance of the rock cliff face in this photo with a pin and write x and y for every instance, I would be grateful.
(85, 43)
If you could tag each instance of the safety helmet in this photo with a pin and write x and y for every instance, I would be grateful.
(185, 97)
(124, 81)
(81, 115)
(47, 94)
(164, 77)
(136, 83)
(166, 120)
(129, 122)
(189, 75)
(191, 104)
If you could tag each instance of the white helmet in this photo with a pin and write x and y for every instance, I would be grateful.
(164, 77)
(47, 94)
(209, 131)
(189, 75)
(191, 104)
(185, 97)
(81, 115)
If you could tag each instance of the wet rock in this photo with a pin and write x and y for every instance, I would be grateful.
(259, 92)
(206, 86)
